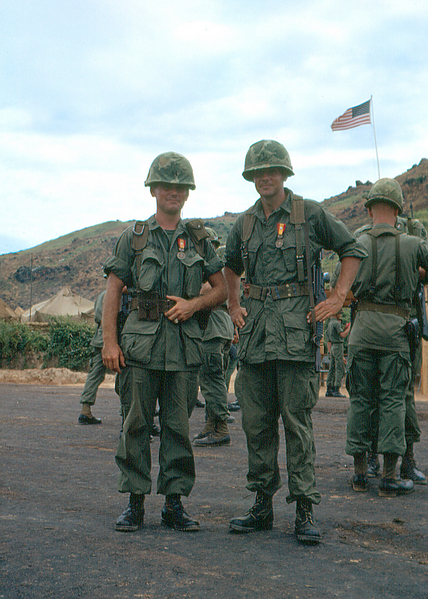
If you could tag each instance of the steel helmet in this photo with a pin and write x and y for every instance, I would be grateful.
(170, 167)
(386, 190)
(267, 153)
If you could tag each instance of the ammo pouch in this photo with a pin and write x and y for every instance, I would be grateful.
(412, 332)
(151, 306)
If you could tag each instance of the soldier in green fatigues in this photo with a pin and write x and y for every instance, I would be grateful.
(379, 359)
(408, 469)
(336, 335)
(97, 372)
(212, 376)
(276, 352)
(161, 343)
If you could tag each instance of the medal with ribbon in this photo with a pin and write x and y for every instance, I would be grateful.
(181, 247)
(280, 227)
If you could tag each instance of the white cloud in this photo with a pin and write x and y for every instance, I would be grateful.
(92, 91)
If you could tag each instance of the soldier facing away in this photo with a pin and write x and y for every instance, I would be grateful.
(166, 262)
(379, 356)
(277, 242)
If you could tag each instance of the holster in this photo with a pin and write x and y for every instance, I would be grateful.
(412, 332)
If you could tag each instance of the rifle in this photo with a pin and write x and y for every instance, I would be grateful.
(319, 296)
(420, 303)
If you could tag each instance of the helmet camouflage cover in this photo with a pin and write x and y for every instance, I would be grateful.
(264, 154)
(386, 190)
(170, 167)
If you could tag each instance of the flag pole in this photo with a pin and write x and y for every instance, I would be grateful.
(374, 135)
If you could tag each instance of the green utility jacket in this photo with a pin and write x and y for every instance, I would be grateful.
(374, 330)
(278, 329)
(97, 339)
(163, 345)
(333, 331)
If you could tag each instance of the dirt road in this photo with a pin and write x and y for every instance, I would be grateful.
(59, 503)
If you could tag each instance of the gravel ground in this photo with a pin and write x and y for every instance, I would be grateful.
(58, 504)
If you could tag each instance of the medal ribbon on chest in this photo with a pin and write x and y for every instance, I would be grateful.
(181, 247)
(280, 227)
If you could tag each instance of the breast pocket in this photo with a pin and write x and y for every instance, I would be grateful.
(288, 253)
(151, 270)
(193, 274)
(253, 250)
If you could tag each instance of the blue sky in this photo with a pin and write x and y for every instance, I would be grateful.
(93, 90)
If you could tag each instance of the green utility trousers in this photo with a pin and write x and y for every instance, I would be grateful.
(411, 424)
(377, 379)
(96, 375)
(212, 378)
(336, 370)
(270, 390)
(139, 390)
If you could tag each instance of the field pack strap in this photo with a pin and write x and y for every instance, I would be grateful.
(297, 218)
(372, 287)
(198, 234)
(139, 240)
(247, 231)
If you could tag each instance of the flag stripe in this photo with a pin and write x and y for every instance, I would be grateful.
(353, 117)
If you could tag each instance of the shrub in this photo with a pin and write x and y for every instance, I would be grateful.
(17, 338)
(64, 343)
(69, 341)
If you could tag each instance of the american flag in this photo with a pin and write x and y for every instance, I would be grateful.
(353, 117)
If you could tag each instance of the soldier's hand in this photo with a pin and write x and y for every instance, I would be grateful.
(113, 357)
(238, 314)
(326, 309)
(182, 309)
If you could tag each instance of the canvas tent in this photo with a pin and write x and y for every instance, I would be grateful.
(6, 313)
(64, 303)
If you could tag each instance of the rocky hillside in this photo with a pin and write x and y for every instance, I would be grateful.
(76, 259)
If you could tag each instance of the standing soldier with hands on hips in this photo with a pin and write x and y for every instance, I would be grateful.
(166, 262)
(277, 242)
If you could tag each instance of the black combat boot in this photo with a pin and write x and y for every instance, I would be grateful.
(174, 515)
(337, 393)
(373, 466)
(258, 517)
(133, 517)
(329, 392)
(218, 436)
(408, 468)
(304, 527)
(390, 485)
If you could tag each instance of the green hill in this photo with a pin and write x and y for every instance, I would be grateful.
(76, 259)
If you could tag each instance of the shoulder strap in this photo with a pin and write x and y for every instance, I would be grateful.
(140, 234)
(198, 234)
